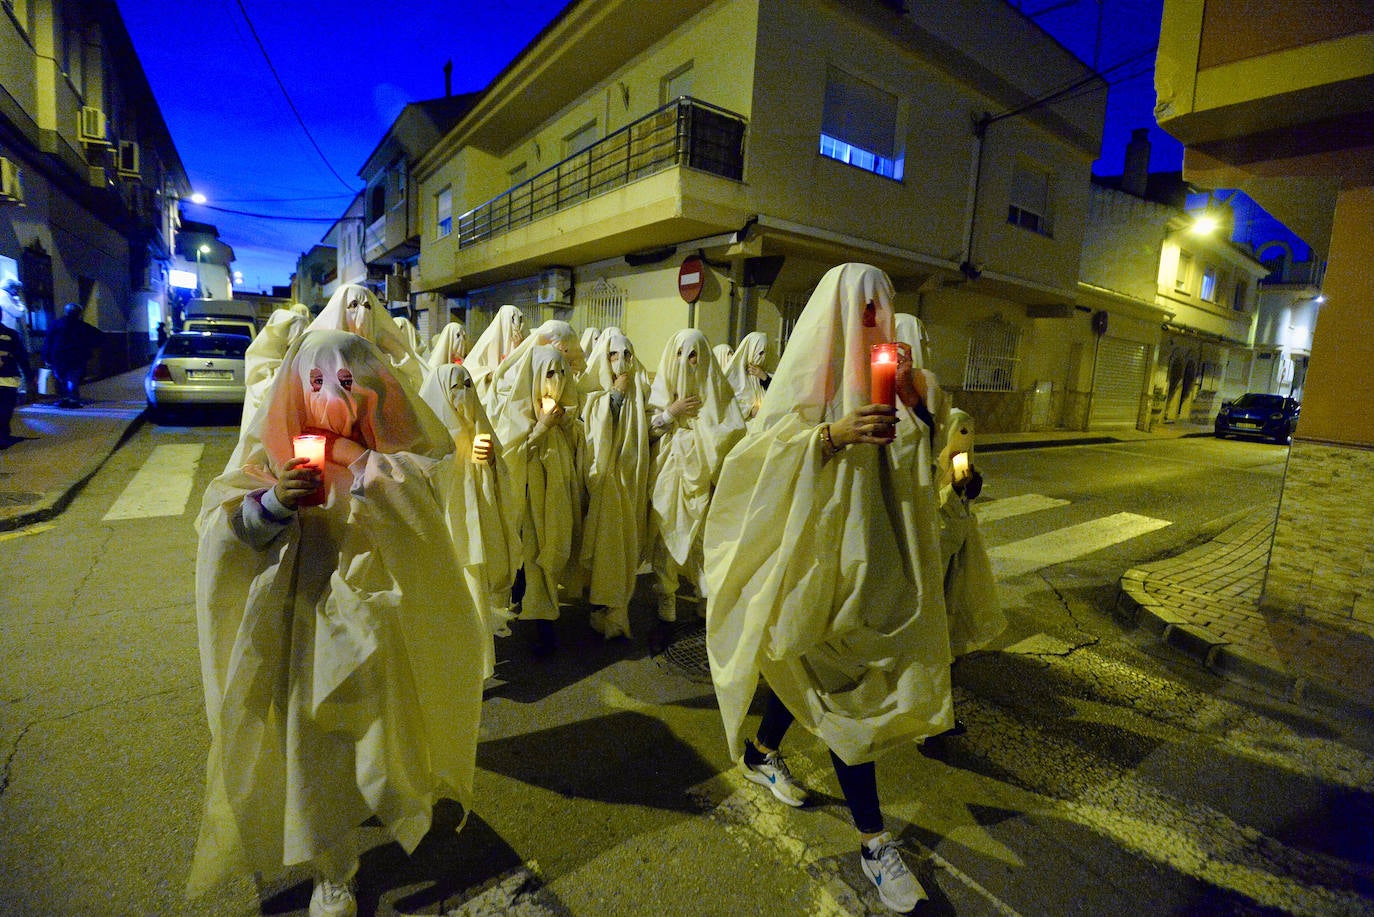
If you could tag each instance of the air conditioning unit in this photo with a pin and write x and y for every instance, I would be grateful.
(92, 128)
(11, 189)
(555, 286)
(128, 159)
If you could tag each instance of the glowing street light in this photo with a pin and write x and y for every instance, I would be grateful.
(1205, 225)
(197, 198)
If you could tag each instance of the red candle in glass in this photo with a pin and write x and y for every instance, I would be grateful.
(884, 374)
(311, 447)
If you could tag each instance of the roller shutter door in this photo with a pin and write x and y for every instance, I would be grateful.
(1118, 382)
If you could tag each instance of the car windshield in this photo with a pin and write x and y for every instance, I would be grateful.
(206, 345)
(1260, 402)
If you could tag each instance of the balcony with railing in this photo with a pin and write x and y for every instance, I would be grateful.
(685, 132)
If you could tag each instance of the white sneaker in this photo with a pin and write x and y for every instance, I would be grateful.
(773, 773)
(333, 899)
(882, 863)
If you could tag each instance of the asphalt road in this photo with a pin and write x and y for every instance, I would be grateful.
(1100, 774)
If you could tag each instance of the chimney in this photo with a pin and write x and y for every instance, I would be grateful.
(1136, 176)
(448, 79)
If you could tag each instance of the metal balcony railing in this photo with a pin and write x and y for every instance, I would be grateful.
(685, 132)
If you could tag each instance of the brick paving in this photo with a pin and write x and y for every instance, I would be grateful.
(1206, 602)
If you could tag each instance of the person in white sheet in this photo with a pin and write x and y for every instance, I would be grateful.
(746, 373)
(588, 340)
(492, 346)
(264, 356)
(722, 353)
(695, 421)
(974, 611)
(353, 308)
(912, 330)
(553, 333)
(450, 345)
(341, 654)
(823, 566)
(542, 444)
(481, 523)
(615, 405)
(412, 336)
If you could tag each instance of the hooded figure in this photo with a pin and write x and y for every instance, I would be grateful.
(450, 345)
(493, 346)
(341, 652)
(481, 526)
(412, 336)
(695, 423)
(912, 330)
(588, 340)
(975, 614)
(746, 373)
(354, 308)
(264, 355)
(302, 310)
(824, 572)
(615, 405)
(553, 333)
(722, 353)
(541, 442)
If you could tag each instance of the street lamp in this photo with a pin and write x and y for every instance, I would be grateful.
(200, 287)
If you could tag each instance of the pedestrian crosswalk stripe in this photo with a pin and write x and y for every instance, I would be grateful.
(162, 486)
(1015, 506)
(1018, 557)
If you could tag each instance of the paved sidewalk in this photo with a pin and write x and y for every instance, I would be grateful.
(1203, 603)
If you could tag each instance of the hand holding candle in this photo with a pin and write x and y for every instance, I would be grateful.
(311, 447)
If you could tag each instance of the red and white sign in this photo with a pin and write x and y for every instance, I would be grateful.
(689, 279)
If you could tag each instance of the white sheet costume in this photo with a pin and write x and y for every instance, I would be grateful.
(340, 651)
(975, 614)
(824, 575)
(354, 308)
(688, 454)
(722, 353)
(450, 345)
(546, 473)
(588, 340)
(618, 463)
(264, 355)
(481, 520)
(553, 333)
(749, 390)
(912, 330)
(493, 345)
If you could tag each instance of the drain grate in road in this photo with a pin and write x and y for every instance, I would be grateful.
(685, 650)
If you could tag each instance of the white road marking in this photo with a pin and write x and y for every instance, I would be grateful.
(1015, 506)
(162, 486)
(1018, 557)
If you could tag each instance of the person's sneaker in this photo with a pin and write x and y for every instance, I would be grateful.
(333, 899)
(772, 772)
(882, 862)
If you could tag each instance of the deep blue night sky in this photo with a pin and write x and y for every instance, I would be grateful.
(349, 67)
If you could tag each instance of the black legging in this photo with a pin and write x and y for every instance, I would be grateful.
(858, 782)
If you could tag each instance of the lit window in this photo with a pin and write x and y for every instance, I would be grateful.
(1185, 268)
(1029, 205)
(1209, 284)
(443, 208)
(859, 125)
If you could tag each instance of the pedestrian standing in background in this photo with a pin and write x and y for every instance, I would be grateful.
(14, 369)
(480, 520)
(542, 444)
(823, 566)
(615, 406)
(747, 375)
(694, 423)
(69, 347)
(341, 653)
(450, 345)
(14, 314)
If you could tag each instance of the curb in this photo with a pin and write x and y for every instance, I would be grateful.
(1085, 440)
(1227, 660)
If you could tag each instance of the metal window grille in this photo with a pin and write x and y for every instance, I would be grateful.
(792, 306)
(600, 306)
(992, 356)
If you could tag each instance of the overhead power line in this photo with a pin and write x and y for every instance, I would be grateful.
(277, 216)
(287, 96)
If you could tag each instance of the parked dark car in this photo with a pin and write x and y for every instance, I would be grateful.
(196, 368)
(1273, 417)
